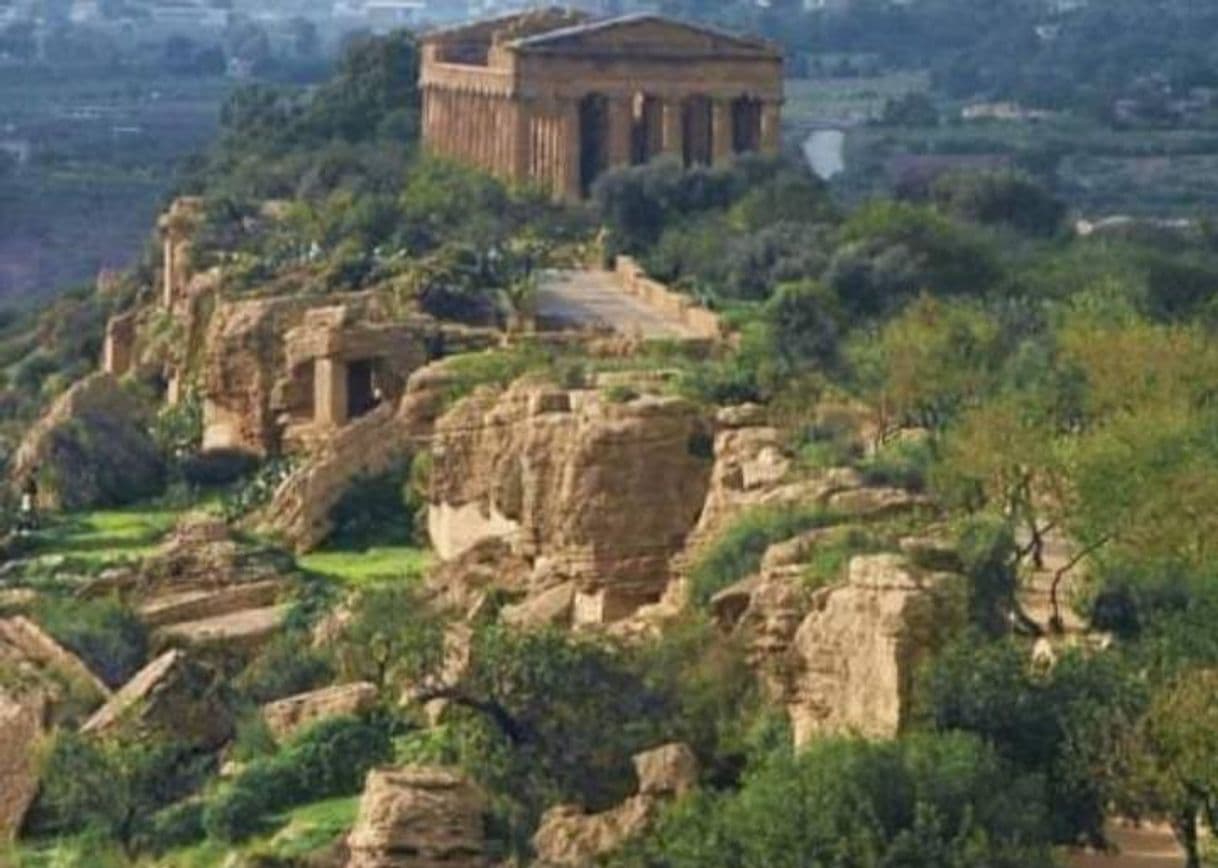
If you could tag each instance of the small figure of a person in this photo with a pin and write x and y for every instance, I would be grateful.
(28, 518)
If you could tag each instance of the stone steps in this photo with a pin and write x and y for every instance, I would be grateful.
(202, 603)
(240, 630)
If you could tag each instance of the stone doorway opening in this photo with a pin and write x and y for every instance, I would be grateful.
(647, 132)
(363, 396)
(746, 125)
(698, 131)
(593, 139)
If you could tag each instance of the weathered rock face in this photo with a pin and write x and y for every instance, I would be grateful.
(419, 817)
(21, 728)
(567, 836)
(173, 695)
(753, 468)
(765, 611)
(244, 358)
(856, 653)
(296, 712)
(591, 491)
(30, 652)
(92, 448)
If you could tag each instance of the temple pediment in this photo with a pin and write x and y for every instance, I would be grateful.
(646, 36)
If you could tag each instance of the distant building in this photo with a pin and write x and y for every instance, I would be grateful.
(555, 98)
(1002, 111)
(188, 13)
(385, 15)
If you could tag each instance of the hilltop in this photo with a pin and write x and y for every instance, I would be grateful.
(390, 515)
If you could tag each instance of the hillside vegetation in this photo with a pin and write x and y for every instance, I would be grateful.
(1041, 406)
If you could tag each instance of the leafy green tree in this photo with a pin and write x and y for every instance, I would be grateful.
(1174, 767)
(390, 637)
(111, 787)
(1000, 198)
(921, 801)
(804, 326)
(1068, 725)
(929, 363)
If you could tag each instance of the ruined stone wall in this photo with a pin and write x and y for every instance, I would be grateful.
(634, 280)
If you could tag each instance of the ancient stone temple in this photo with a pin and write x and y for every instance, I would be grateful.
(552, 97)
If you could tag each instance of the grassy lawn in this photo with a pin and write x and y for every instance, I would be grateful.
(356, 568)
(105, 536)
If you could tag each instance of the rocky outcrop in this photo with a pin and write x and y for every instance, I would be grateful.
(30, 655)
(290, 715)
(753, 468)
(92, 448)
(244, 357)
(567, 836)
(173, 695)
(764, 611)
(587, 489)
(419, 817)
(855, 655)
(21, 727)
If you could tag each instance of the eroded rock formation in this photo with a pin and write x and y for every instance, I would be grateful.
(21, 727)
(570, 837)
(243, 359)
(290, 715)
(589, 490)
(173, 695)
(855, 656)
(419, 817)
(91, 448)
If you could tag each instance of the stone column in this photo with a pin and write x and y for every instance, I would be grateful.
(771, 133)
(522, 140)
(721, 131)
(569, 150)
(118, 352)
(672, 136)
(171, 266)
(621, 130)
(330, 393)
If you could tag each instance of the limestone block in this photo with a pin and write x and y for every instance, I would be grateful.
(419, 817)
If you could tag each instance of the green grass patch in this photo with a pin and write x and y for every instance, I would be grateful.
(105, 536)
(300, 832)
(312, 827)
(737, 553)
(828, 561)
(355, 568)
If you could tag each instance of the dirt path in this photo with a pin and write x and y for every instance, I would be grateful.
(1144, 847)
(595, 299)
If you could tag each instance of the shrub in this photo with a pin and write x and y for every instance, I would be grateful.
(172, 827)
(903, 464)
(947, 801)
(738, 552)
(374, 510)
(107, 635)
(112, 787)
(288, 665)
(257, 490)
(329, 759)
